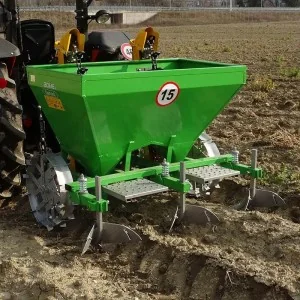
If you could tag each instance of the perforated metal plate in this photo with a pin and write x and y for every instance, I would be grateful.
(209, 173)
(128, 190)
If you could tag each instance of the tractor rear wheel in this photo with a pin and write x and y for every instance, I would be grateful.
(11, 136)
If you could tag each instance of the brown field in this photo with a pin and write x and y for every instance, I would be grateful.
(250, 255)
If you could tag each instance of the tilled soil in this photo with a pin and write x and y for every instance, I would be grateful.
(249, 255)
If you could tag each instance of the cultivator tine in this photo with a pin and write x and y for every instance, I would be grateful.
(108, 233)
(244, 204)
(253, 180)
(192, 214)
(257, 197)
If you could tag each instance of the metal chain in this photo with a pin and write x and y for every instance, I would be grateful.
(43, 144)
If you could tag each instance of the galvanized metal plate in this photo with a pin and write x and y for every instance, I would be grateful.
(128, 190)
(209, 173)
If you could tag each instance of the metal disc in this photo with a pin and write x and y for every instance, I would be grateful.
(199, 215)
(46, 177)
(264, 198)
(203, 147)
(209, 146)
(111, 234)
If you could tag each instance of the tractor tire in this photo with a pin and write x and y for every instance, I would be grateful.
(12, 135)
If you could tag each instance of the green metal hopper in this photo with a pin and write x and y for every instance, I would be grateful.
(115, 108)
(103, 114)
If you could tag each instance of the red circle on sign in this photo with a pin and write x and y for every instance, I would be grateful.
(126, 51)
(167, 93)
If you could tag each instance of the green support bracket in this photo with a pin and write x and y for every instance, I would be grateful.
(170, 148)
(244, 169)
(152, 171)
(89, 201)
(154, 174)
(128, 156)
(172, 183)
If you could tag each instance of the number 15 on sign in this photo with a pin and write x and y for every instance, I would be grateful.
(167, 94)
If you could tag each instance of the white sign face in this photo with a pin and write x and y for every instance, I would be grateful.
(126, 51)
(167, 94)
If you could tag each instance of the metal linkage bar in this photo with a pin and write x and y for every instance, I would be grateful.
(154, 174)
(153, 171)
(243, 169)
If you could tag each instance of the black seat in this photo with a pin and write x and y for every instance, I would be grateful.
(107, 42)
(38, 37)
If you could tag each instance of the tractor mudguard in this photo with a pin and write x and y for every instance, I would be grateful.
(8, 49)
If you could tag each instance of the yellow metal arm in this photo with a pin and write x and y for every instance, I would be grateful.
(141, 43)
(70, 42)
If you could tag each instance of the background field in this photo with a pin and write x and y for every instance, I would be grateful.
(251, 255)
(64, 20)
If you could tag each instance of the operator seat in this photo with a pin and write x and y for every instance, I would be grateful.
(38, 39)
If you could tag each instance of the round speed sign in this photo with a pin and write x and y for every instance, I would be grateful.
(167, 94)
(126, 51)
